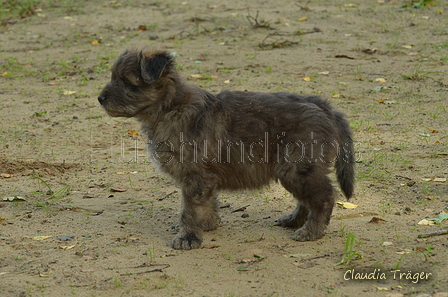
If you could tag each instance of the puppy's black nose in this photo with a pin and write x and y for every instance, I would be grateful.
(101, 98)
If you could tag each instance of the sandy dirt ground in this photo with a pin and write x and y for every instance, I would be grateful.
(84, 213)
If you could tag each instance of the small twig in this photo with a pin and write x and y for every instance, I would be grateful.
(167, 195)
(277, 44)
(277, 33)
(344, 56)
(402, 176)
(315, 257)
(240, 209)
(254, 21)
(314, 30)
(148, 271)
(435, 233)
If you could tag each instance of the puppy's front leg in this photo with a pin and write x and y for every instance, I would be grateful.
(199, 213)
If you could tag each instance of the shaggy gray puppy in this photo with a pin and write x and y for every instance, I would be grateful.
(233, 140)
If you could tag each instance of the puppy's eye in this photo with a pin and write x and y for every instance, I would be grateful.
(127, 81)
(129, 85)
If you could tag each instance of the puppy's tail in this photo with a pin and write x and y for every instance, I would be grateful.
(345, 163)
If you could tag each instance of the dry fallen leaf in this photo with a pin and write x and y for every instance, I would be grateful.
(307, 78)
(370, 50)
(377, 220)
(404, 252)
(407, 46)
(66, 247)
(113, 189)
(95, 42)
(227, 81)
(132, 132)
(68, 93)
(387, 243)
(127, 172)
(4, 74)
(209, 246)
(387, 101)
(439, 179)
(381, 80)
(425, 222)
(63, 247)
(302, 19)
(14, 198)
(347, 205)
(6, 175)
(436, 179)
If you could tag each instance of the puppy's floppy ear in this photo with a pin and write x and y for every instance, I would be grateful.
(153, 67)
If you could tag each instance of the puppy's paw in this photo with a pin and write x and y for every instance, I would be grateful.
(289, 221)
(304, 234)
(186, 241)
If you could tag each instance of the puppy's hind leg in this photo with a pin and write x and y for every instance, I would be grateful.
(199, 212)
(295, 219)
(313, 189)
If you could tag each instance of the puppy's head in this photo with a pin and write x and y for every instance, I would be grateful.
(138, 81)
